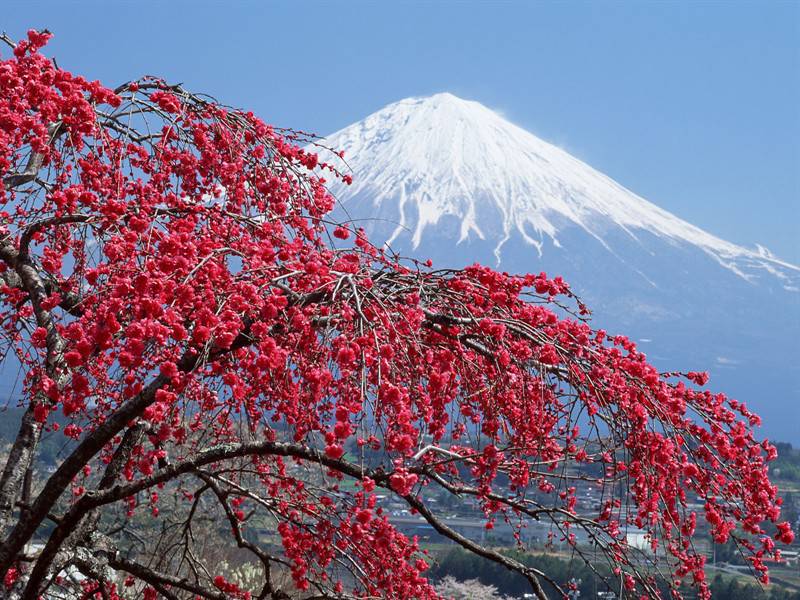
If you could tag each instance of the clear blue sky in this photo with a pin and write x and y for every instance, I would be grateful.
(693, 105)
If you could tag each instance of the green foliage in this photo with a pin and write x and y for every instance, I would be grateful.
(731, 589)
(787, 466)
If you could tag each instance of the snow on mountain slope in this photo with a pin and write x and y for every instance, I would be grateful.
(420, 160)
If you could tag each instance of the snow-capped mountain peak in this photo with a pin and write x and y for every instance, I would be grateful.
(421, 160)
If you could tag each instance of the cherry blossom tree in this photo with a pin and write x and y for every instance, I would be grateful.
(206, 341)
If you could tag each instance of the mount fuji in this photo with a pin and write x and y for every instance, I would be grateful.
(449, 179)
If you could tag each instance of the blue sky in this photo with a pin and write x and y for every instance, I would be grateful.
(693, 105)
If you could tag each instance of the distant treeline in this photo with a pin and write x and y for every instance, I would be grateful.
(464, 566)
(787, 465)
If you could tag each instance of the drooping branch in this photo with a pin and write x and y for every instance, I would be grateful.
(93, 500)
